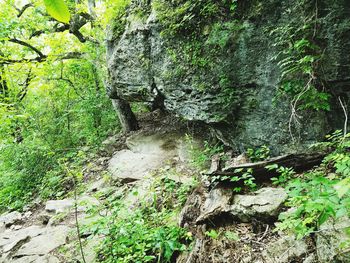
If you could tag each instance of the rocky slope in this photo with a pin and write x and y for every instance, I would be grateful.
(225, 226)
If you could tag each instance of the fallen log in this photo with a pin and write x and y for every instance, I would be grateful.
(299, 162)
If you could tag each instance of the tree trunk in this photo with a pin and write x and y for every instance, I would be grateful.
(127, 118)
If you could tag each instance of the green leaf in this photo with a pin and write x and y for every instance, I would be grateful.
(232, 235)
(342, 187)
(58, 10)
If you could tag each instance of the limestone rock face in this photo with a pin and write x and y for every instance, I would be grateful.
(139, 61)
(330, 241)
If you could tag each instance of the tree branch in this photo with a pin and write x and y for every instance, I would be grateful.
(23, 43)
(23, 9)
(76, 23)
(25, 85)
(70, 55)
(64, 56)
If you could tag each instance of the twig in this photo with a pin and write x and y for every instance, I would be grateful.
(346, 116)
(76, 218)
(294, 116)
(265, 233)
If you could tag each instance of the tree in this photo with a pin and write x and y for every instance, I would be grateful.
(51, 97)
(31, 31)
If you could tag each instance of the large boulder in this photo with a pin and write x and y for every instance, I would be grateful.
(243, 79)
(264, 204)
(146, 154)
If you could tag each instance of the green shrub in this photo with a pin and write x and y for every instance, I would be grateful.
(321, 193)
(148, 232)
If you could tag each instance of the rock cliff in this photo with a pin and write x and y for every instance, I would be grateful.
(224, 68)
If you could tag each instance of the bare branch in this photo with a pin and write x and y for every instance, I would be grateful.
(56, 29)
(23, 9)
(23, 43)
(345, 114)
(76, 23)
(6, 61)
(70, 55)
(64, 56)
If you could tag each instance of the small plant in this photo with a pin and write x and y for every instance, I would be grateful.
(212, 234)
(258, 154)
(285, 174)
(201, 156)
(147, 234)
(232, 236)
(244, 176)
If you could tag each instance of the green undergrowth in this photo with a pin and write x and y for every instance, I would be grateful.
(36, 172)
(314, 197)
(318, 194)
(146, 231)
(202, 153)
(300, 58)
(54, 126)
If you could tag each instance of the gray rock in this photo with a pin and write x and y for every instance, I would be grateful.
(110, 144)
(284, 250)
(59, 206)
(311, 259)
(153, 144)
(52, 238)
(10, 240)
(146, 153)
(10, 218)
(139, 65)
(97, 186)
(2, 227)
(85, 202)
(332, 234)
(30, 259)
(36, 259)
(27, 214)
(262, 204)
(16, 227)
(217, 202)
(130, 166)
